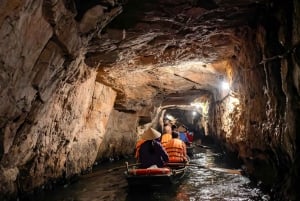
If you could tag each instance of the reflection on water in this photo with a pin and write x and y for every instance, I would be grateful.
(200, 184)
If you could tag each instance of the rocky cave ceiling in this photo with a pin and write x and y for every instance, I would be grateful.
(166, 51)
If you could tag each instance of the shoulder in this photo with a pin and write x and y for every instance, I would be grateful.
(156, 143)
(145, 143)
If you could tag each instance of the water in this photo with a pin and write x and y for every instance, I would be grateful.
(201, 184)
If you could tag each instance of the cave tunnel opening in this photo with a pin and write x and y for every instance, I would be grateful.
(190, 119)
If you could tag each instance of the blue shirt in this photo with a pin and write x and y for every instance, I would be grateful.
(152, 153)
(183, 137)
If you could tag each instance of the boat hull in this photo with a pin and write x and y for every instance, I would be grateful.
(155, 180)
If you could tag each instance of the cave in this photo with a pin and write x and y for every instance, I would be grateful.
(81, 80)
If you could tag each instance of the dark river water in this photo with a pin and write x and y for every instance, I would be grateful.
(200, 184)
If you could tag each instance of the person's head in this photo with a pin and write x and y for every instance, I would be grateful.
(175, 134)
(174, 127)
(150, 134)
(181, 129)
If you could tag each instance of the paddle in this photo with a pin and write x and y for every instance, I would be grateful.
(225, 170)
(203, 146)
(123, 166)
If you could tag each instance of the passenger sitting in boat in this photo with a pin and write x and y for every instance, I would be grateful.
(176, 149)
(151, 152)
(190, 136)
(182, 135)
(167, 136)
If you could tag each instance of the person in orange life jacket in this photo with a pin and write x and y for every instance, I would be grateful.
(182, 135)
(176, 149)
(167, 136)
(151, 152)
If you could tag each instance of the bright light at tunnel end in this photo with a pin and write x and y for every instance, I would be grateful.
(225, 85)
(196, 105)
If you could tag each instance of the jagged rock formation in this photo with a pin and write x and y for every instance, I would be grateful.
(80, 79)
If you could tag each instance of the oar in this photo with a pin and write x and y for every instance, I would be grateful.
(225, 170)
(123, 166)
(203, 146)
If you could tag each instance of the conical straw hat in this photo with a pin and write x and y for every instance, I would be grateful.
(151, 134)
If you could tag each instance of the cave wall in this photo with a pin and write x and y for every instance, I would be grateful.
(53, 113)
(120, 136)
(259, 119)
(56, 118)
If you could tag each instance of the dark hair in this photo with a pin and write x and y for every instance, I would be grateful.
(174, 127)
(175, 134)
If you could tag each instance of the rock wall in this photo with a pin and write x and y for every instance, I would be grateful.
(259, 119)
(53, 114)
(120, 137)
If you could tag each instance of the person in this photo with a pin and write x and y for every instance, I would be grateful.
(176, 149)
(167, 136)
(190, 136)
(174, 128)
(182, 135)
(151, 152)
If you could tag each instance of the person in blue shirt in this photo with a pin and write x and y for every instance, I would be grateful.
(151, 152)
(182, 135)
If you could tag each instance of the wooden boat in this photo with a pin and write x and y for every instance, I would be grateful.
(155, 177)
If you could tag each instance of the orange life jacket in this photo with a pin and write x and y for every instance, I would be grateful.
(137, 147)
(176, 150)
(165, 138)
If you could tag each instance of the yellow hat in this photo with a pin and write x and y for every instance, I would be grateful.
(151, 134)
